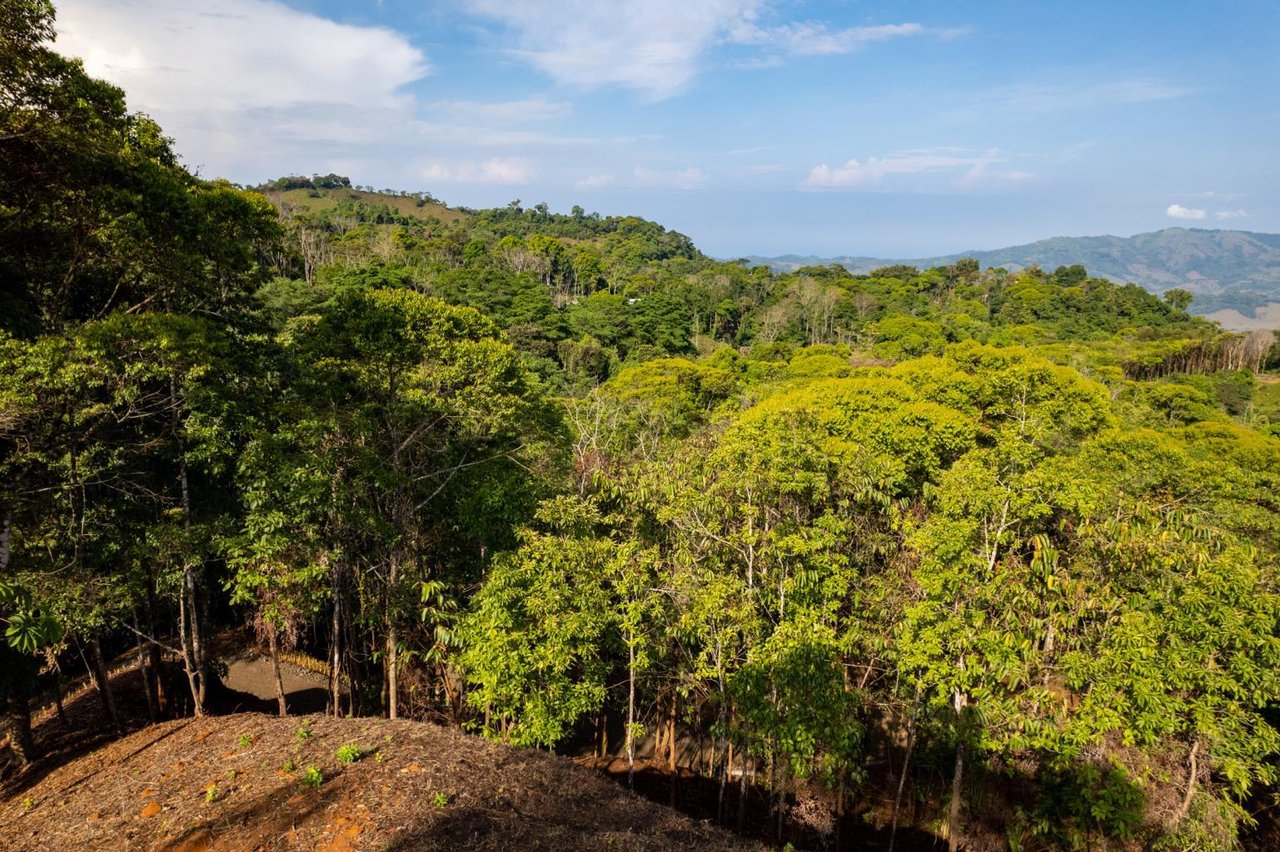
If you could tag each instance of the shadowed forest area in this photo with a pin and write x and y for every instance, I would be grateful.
(952, 555)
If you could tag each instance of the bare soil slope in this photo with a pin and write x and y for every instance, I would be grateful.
(237, 782)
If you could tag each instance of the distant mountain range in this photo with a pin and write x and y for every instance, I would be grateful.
(1231, 273)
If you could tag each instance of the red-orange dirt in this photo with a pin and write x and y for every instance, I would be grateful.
(237, 782)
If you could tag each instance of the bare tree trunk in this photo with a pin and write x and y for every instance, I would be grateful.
(780, 808)
(631, 711)
(273, 645)
(103, 682)
(156, 682)
(393, 709)
(198, 652)
(335, 657)
(1192, 772)
(188, 612)
(188, 659)
(5, 526)
(957, 780)
(152, 710)
(671, 749)
(839, 842)
(722, 745)
(57, 693)
(15, 724)
(722, 804)
(906, 768)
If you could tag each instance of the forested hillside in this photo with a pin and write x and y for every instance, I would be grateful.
(987, 555)
(1224, 269)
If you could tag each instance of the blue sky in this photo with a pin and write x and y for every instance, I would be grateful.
(754, 126)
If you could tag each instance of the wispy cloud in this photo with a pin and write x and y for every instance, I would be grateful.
(495, 136)
(656, 47)
(814, 38)
(1076, 94)
(595, 182)
(1230, 214)
(501, 112)
(652, 47)
(690, 177)
(966, 170)
(1177, 211)
(498, 170)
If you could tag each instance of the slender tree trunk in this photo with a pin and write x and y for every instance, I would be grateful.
(722, 803)
(103, 683)
(209, 679)
(5, 524)
(57, 694)
(721, 744)
(742, 793)
(15, 723)
(188, 658)
(188, 612)
(839, 842)
(273, 645)
(1192, 772)
(198, 651)
(335, 655)
(631, 711)
(906, 768)
(156, 683)
(957, 780)
(780, 795)
(393, 709)
(152, 713)
(671, 750)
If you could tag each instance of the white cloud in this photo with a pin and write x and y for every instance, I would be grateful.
(1177, 211)
(652, 47)
(686, 178)
(466, 136)
(253, 89)
(1230, 214)
(503, 112)
(247, 54)
(813, 38)
(595, 182)
(966, 169)
(1045, 97)
(655, 46)
(498, 170)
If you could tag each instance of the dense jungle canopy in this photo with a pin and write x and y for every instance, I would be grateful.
(1013, 536)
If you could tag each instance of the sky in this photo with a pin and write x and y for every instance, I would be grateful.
(756, 127)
